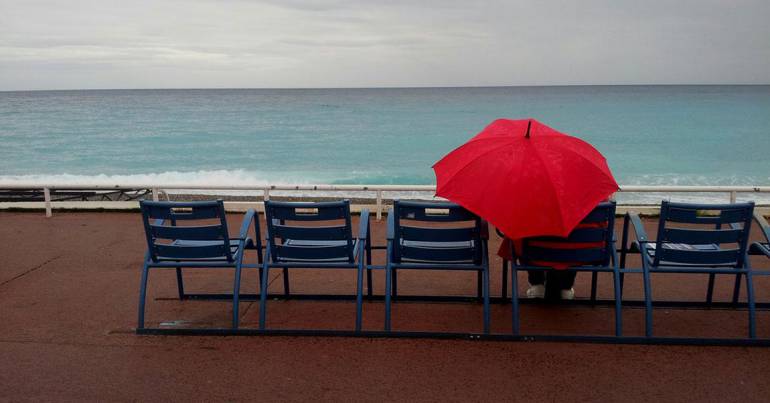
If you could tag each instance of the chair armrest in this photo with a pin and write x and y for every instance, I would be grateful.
(363, 224)
(763, 225)
(252, 216)
(484, 230)
(632, 219)
(758, 248)
(639, 231)
(247, 219)
(391, 225)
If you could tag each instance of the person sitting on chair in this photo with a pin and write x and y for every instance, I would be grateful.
(551, 284)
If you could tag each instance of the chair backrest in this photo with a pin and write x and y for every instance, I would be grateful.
(590, 244)
(331, 223)
(702, 227)
(440, 232)
(208, 224)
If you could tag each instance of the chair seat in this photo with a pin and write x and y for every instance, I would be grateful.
(234, 243)
(681, 246)
(650, 251)
(437, 246)
(317, 244)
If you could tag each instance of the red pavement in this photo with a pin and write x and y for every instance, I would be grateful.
(68, 291)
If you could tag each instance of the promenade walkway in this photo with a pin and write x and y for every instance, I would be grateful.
(68, 291)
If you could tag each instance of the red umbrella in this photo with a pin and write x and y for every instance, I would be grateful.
(525, 178)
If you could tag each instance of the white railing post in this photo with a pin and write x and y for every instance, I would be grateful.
(733, 196)
(379, 205)
(47, 197)
(155, 194)
(266, 194)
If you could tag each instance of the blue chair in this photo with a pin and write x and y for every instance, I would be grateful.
(596, 254)
(328, 245)
(415, 242)
(692, 242)
(204, 244)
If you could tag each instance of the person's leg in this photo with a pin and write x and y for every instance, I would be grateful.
(536, 280)
(566, 280)
(536, 277)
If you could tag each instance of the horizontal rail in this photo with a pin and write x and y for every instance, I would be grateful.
(160, 189)
(359, 188)
(321, 187)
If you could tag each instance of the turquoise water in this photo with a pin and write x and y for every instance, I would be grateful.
(651, 135)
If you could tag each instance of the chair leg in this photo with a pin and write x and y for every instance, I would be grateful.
(618, 304)
(622, 281)
(389, 275)
(286, 291)
(261, 274)
(594, 279)
(504, 291)
(237, 295)
(710, 289)
(623, 253)
(514, 302)
(647, 303)
(263, 299)
(750, 300)
(142, 296)
(485, 279)
(359, 296)
(737, 288)
(394, 286)
(369, 291)
(479, 285)
(179, 283)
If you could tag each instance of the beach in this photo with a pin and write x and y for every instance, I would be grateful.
(69, 287)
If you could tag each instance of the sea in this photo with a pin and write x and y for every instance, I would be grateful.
(650, 135)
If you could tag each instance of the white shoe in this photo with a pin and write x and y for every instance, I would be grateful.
(568, 294)
(536, 291)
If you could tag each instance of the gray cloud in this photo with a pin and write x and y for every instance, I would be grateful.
(47, 44)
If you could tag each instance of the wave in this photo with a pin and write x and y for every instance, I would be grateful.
(694, 180)
(207, 178)
(222, 177)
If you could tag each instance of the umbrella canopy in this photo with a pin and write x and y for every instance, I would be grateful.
(525, 178)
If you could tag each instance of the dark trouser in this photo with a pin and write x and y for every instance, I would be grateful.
(554, 279)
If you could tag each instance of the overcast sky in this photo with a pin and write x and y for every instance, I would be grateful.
(54, 44)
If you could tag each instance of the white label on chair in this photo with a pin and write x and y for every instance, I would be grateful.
(306, 211)
(436, 211)
(708, 213)
(174, 323)
(181, 210)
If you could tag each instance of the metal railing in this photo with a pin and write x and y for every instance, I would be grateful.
(731, 192)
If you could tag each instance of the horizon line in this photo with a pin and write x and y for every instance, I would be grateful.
(385, 87)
